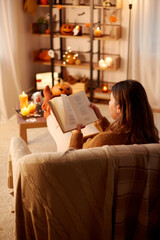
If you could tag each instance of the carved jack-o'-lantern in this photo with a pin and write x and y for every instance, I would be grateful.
(67, 29)
(68, 89)
(61, 88)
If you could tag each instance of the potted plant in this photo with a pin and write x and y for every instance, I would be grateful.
(42, 24)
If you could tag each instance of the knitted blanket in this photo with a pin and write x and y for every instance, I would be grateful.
(111, 192)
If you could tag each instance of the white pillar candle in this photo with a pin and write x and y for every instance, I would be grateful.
(102, 63)
(108, 61)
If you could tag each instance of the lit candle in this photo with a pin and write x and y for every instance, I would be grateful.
(97, 32)
(108, 61)
(32, 107)
(23, 97)
(105, 88)
(102, 63)
(25, 111)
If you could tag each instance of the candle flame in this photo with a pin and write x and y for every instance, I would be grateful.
(105, 88)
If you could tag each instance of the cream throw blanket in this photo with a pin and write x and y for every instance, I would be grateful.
(100, 193)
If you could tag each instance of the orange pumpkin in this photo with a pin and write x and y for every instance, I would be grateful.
(67, 29)
(68, 89)
(43, 55)
(61, 88)
(70, 57)
(112, 18)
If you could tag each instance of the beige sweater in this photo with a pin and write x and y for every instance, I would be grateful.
(105, 137)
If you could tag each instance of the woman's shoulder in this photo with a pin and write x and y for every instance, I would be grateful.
(107, 138)
(115, 137)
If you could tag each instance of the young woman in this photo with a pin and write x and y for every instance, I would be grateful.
(133, 120)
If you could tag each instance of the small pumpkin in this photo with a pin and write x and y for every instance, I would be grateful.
(112, 19)
(61, 88)
(43, 55)
(67, 29)
(70, 57)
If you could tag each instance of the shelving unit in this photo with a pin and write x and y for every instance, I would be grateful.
(85, 65)
(90, 65)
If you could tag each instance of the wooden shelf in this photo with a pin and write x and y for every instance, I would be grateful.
(117, 34)
(78, 6)
(97, 93)
(83, 65)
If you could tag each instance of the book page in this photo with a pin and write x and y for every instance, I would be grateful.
(70, 118)
(57, 108)
(62, 109)
(83, 111)
(89, 130)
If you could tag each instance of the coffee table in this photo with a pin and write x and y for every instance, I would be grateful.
(25, 124)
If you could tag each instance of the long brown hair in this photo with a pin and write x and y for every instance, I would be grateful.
(136, 116)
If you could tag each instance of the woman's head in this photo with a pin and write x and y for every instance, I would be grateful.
(114, 107)
(134, 114)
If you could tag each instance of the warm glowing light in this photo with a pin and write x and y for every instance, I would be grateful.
(105, 88)
(69, 49)
(108, 61)
(102, 63)
(32, 107)
(25, 111)
(97, 32)
(23, 98)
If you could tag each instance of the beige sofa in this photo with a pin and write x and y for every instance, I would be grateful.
(111, 192)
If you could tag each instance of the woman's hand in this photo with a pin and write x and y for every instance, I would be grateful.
(96, 110)
(79, 127)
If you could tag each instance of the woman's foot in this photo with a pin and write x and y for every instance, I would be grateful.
(47, 96)
(47, 93)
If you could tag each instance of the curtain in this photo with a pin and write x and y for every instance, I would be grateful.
(9, 73)
(145, 47)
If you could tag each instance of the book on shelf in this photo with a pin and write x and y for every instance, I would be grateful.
(72, 110)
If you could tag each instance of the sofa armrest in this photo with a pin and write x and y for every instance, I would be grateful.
(18, 149)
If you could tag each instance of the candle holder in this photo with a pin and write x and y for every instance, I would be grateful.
(105, 88)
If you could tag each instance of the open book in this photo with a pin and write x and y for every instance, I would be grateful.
(71, 110)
